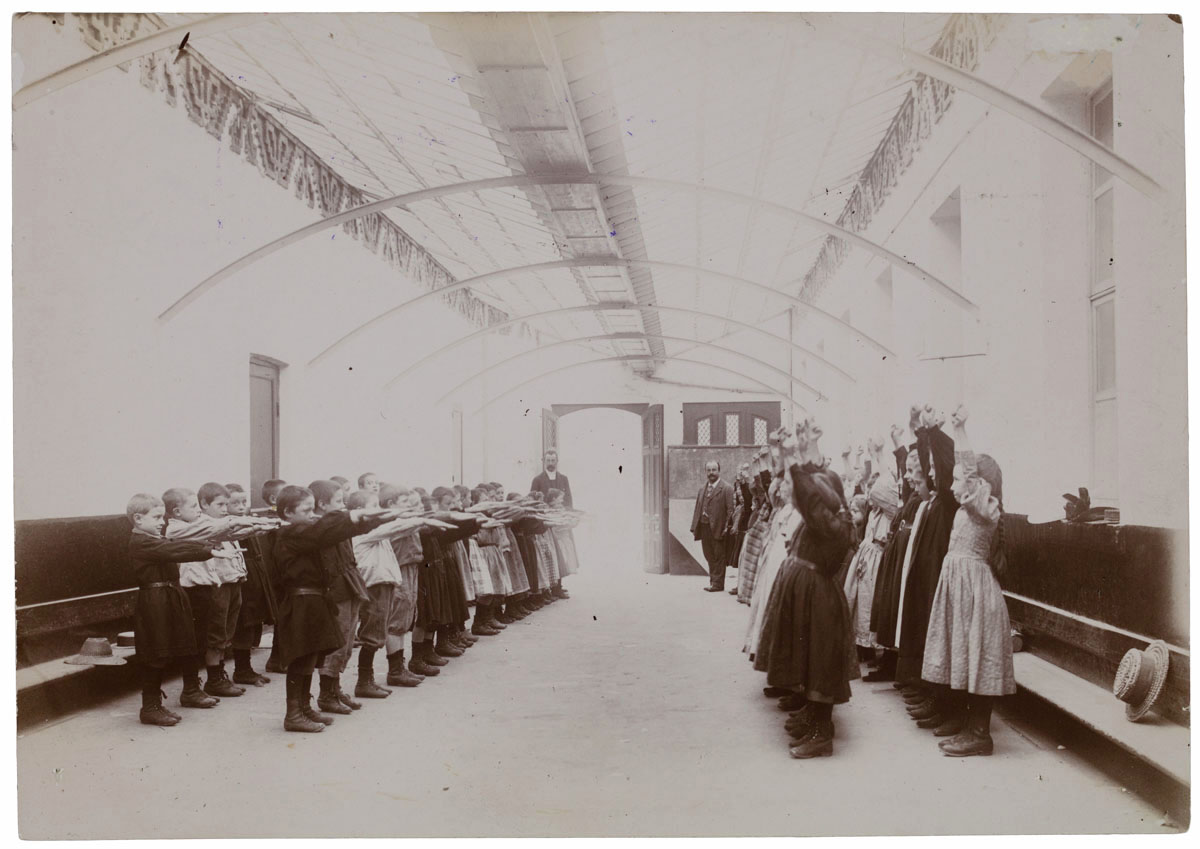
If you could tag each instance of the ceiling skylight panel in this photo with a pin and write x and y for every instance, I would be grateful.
(393, 98)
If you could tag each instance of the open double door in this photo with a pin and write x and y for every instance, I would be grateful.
(654, 482)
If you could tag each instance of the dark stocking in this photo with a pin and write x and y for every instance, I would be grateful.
(979, 714)
(151, 685)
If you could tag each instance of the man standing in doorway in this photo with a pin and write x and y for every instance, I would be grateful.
(552, 478)
(714, 506)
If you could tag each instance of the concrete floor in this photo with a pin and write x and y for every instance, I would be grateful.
(628, 710)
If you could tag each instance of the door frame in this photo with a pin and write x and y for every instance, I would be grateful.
(274, 375)
(655, 528)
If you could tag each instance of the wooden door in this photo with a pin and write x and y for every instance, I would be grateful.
(654, 492)
(264, 427)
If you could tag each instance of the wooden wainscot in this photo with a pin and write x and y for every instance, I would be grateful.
(1082, 595)
(73, 581)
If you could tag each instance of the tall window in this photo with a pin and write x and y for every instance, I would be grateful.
(1103, 308)
(704, 431)
(760, 430)
(731, 429)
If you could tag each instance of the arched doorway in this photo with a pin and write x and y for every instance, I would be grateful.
(609, 466)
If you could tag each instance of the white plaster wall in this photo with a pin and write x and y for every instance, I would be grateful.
(1151, 278)
(1026, 253)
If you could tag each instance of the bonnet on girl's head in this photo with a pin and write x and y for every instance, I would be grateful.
(989, 470)
(883, 495)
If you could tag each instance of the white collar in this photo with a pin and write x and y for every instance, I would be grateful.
(552, 475)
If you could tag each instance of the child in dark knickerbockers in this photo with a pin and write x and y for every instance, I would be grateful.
(381, 575)
(402, 612)
(164, 633)
(310, 564)
(258, 597)
(213, 586)
(348, 592)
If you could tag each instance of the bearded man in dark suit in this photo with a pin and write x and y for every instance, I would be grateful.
(714, 506)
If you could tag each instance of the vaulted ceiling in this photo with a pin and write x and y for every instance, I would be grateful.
(762, 104)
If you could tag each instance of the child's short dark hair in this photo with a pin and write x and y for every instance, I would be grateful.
(270, 490)
(440, 492)
(289, 498)
(174, 498)
(357, 500)
(420, 490)
(390, 493)
(339, 480)
(462, 491)
(323, 491)
(478, 494)
(362, 479)
(513, 496)
(495, 485)
(426, 502)
(234, 487)
(210, 492)
(140, 504)
(537, 495)
(553, 495)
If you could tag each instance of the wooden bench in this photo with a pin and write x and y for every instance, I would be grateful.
(64, 619)
(1084, 595)
(1159, 742)
(73, 581)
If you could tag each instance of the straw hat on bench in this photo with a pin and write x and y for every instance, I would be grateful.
(97, 651)
(1140, 678)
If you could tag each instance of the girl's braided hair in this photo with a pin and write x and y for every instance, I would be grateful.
(989, 470)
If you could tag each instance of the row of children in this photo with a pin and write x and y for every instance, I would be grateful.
(322, 562)
(917, 581)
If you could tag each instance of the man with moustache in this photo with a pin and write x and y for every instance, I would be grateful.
(552, 478)
(714, 506)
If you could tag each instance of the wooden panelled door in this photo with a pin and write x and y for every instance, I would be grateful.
(654, 500)
(264, 426)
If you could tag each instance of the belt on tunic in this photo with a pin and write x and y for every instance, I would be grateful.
(306, 591)
(162, 584)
